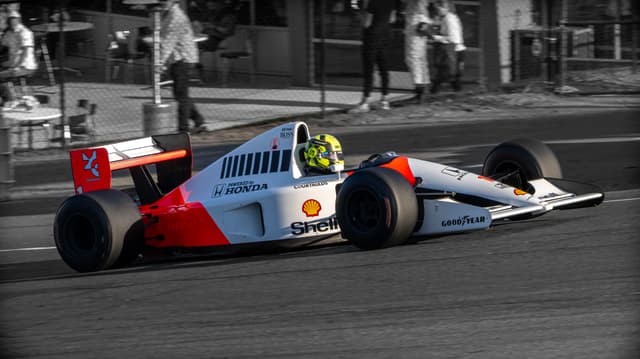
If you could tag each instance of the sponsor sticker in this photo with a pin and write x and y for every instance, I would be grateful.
(519, 192)
(286, 132)
(90, 166)
(500, 185)
(463, 221)
(225, 189)
(454, 172)
(311, 208)
(318, 226)
(310, 185)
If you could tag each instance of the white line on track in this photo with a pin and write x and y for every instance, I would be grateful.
(576, 141)
(621, 200)
(26, 249)
(594, 140)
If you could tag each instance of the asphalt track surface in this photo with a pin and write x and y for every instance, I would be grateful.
(564, 285)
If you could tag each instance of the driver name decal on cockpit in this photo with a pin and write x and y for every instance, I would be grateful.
(310, 184)
(247, 164)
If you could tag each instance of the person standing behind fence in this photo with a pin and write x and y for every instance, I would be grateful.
(449, 49)
(179, 52)
(416, 32)
(21, 59)
(218, 21)
(376, 39)
(215, 18)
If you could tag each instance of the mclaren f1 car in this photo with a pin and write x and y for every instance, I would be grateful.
(260, 192)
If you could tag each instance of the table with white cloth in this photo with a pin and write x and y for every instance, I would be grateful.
(67, 26)
(34, 117)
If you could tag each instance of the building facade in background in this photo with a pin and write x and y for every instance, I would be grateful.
(316, 40)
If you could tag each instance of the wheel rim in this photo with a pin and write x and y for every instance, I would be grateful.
(512, 174)
(363, 210)
(80, 233)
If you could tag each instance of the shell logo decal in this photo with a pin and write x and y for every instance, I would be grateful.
(519, 192)
(311, 208)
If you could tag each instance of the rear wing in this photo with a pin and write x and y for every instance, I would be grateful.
(92, 167)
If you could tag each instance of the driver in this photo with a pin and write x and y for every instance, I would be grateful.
(323, 154)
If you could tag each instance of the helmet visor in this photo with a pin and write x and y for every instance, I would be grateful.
(333, 156)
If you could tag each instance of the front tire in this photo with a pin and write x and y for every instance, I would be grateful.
(98, 230)
(519, 161)
(376, 208)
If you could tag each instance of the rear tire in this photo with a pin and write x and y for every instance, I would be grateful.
(376, 208)
(98, 230)
(519, 161)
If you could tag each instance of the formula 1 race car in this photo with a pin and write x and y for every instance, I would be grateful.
(260, 192)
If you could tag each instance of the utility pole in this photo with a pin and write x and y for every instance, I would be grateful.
(157, 117)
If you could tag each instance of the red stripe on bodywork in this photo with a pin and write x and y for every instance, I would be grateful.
(401, 165)
(174, 222)
(147, 160)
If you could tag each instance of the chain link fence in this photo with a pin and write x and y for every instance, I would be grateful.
(98, 71)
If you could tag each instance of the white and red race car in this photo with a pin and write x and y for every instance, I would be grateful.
(260, 192)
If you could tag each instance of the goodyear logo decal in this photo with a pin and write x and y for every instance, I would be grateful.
(255, 163)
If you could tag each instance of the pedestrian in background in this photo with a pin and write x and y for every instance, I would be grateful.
(376, 40)
(215, 18)
(179, 52)
(416, 32)
(448, 49)
(18, 40)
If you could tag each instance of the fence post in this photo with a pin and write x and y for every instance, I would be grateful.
(156, 115)
(563, 48)
(6, 162)
(482, 79)
(107, 59)
(617, 35)
(545, 54)
(66, 134)
(323, 72)
(634, 41)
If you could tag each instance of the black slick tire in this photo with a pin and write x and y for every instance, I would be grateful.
(376, 208)
(98, 230)
(519, 161)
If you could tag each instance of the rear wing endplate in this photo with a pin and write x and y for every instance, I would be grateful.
(92, 167)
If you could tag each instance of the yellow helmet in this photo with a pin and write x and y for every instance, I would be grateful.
(324, 153)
